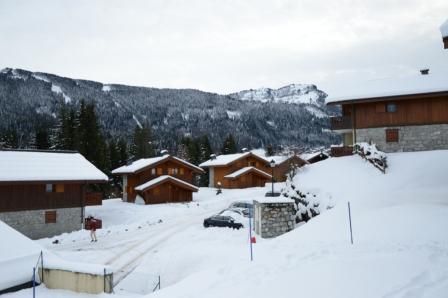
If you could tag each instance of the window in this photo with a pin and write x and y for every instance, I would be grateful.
(50, 216)
(59, 188)
(49, 187)
(181, 171)
(252, 164)
(391, 107)
(153, 171)
(391, 135)
(159, 171)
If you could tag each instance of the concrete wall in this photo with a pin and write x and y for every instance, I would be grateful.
(77, 281)
(410, 138)
(211, 177)
(273, 219)
(32, 223)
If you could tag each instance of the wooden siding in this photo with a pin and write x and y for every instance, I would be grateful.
(94, 198)
(433, 110)
(251, 179)
(167, 192)
(20, 197)
(280, 171)
(183, 173)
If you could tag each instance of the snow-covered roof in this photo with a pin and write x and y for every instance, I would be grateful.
(444, 29)
(409, 85)
(226, 159)
(163, 178)
(148, 162)
(47, 166)
(246, 170)
(308, 156)
(18, 255)
(223, 160)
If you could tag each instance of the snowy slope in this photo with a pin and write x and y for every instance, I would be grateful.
(294, 94)
(444, 29)
(400, 241)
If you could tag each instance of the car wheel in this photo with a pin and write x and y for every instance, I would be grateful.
(206, 225)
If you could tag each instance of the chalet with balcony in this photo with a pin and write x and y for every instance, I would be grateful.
(248, 169)
(43, 193)
(158, 180)
(406, 114)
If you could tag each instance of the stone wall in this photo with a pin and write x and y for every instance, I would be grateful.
(273, 218)
(410, 138)
(31, 223)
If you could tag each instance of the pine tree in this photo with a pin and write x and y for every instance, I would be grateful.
(42, 139)
(205, 150)
(229, 145)
(269, 150)
(122, 148)
(142, 142)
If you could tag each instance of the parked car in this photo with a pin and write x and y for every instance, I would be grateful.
(222, 221)
(244, 206)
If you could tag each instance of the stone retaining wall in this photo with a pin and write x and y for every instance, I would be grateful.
(31, 223)
(273, 219)
(410, 138)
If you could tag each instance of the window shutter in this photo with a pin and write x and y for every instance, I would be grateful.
(50, 216)
(391, 135)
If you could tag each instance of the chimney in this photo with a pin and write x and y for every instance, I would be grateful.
(164, 152)
(212, 156)
(424, 71)
(244, 150)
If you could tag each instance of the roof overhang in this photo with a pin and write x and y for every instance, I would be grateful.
(249, 170)
(194, 168)
(164, 179)
(17, 182)
(389, 98)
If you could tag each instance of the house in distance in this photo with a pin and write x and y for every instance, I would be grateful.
(405, 114)
(248, 169)
(43, 193)
(159, 179)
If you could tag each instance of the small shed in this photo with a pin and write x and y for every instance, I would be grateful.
(166, 189)
(273, 216)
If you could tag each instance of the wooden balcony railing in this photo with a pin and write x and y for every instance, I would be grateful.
(341, 122)
(341, 151)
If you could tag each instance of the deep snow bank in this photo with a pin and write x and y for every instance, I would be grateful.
(400, 249)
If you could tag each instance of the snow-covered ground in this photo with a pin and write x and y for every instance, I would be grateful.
(399, 227)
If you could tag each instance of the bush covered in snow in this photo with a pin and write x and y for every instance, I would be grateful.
(307, 204)
(372, 154)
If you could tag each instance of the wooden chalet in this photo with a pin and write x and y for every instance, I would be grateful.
(176, 186)
(43, 193)
(408, 114)
(247, 169)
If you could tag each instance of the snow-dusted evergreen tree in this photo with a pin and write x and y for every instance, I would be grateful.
(229, 146)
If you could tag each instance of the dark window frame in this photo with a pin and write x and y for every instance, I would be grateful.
(392, 135)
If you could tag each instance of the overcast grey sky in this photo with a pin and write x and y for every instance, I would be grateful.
(223, 45)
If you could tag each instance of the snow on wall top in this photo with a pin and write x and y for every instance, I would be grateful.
(47, 166)
(416, 84)
(444, 29)
(147, 162)
(246, 170)
(160, 179)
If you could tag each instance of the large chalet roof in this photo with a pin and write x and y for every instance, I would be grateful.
(144, 163)
(226, 159)
(161, 179)
(444, 29)
(397, 88)
(29, 166)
